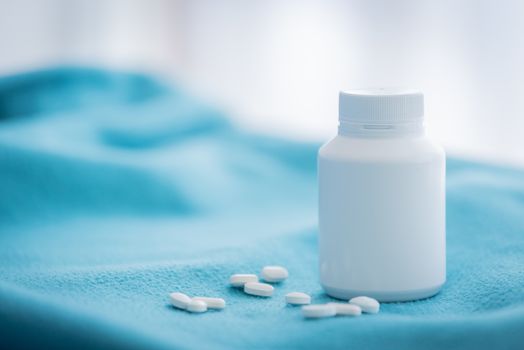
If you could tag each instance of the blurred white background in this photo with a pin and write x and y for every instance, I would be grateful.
(277, 66)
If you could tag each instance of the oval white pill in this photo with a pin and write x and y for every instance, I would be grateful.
(367, 304)
(298, 298)
(212, 303)
(239, 279)
(196, 306)
(319, 311)
(258, 289)
(346, 309)
(179, 300)
(274, 273)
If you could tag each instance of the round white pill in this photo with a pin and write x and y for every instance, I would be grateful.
(319, 310)
(346, 309)
(196, 306)
(274, 273)
(179, 300)
(367, 304)
(258, 289)
(212, 303)
(298, 298)
(239, 279)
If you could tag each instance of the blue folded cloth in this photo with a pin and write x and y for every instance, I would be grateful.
(116, 189)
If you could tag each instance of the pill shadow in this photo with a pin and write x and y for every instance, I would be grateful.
(172, 308)
(239, 291)
(326, 319)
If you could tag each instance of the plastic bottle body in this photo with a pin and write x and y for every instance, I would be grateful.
(382, 217)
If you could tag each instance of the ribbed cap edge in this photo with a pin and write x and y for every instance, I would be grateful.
(381, 106)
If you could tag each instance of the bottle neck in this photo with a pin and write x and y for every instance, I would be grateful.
(406, 129)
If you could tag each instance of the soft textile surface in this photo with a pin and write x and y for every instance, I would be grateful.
(116, 190)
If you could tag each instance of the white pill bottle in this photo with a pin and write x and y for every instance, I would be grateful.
(382, 210)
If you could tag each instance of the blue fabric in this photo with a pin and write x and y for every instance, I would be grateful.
(116, 189)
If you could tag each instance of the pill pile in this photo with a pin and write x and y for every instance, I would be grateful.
(251, 285)
(238, 280)
(276, 274)
(196, 304)
(355, 307)
(367, 304)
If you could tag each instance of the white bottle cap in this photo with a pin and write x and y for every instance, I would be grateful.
(381, 106)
